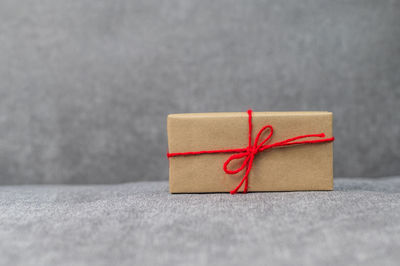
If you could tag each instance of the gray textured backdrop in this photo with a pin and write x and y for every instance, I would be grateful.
(85, 86)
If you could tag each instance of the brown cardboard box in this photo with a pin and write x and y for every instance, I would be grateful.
(297, 167)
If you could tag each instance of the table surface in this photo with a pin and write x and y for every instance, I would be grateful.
(142, 224)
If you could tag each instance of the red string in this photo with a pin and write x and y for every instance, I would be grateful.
(250, 151)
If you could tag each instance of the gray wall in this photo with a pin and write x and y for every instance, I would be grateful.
(85, 86)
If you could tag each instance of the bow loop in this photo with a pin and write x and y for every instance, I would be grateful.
(271, 131)
(236, 157)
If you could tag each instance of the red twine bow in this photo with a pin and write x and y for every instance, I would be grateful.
(252, 149)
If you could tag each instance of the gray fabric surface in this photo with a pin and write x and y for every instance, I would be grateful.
(85, 86)
(142, 224)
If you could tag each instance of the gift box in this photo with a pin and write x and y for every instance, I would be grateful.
(253, 151)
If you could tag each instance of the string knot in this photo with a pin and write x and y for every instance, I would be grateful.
(252, 150)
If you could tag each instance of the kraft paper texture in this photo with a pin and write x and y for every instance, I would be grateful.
(294, 168)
